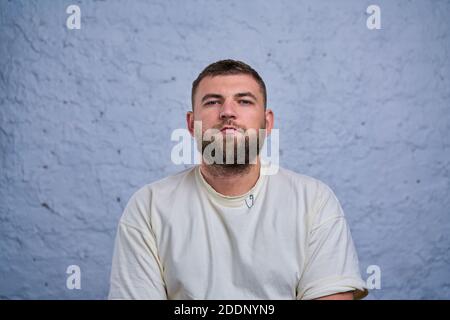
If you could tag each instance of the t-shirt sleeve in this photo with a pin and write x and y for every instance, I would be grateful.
(332, 264)
(136, 271)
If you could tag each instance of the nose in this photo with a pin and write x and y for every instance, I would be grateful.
(227, 110)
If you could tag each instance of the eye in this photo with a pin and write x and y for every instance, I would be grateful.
(245, 102)
(211, 102)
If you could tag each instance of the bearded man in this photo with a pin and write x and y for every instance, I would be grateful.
(223, 229)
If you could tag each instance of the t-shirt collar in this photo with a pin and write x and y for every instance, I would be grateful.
(228, 201)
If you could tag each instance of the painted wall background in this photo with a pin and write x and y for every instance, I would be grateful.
(86, 117)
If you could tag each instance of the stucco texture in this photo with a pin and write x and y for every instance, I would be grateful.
(86, 118)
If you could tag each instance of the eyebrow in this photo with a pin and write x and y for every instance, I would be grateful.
(237, 95)
(246, 94)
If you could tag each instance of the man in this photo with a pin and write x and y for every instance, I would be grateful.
(223, 230)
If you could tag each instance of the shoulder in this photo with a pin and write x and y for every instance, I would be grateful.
(137, 210)
(301, 182)
(165, 184)
(313, 192)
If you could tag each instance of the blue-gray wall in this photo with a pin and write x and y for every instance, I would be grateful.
(86, 117)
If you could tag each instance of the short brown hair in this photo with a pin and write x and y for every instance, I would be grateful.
(228, 67)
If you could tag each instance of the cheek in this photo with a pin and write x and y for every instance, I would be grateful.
(208, 119)
(255, 120)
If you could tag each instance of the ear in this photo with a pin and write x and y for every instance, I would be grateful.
(190, 122)
(269, 121)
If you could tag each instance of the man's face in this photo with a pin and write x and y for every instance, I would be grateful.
(229, 101)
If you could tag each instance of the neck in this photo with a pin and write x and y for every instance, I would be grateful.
(231, 180)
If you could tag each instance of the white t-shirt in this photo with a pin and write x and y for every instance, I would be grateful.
(287, 238)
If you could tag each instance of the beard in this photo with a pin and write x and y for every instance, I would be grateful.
(231, 153)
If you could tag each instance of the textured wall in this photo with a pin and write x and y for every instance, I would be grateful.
(86, 117)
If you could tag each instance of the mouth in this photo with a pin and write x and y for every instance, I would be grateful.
(227, 130)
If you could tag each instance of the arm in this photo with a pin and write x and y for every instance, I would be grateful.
(331, 269)
(137, 272)
(338, 296)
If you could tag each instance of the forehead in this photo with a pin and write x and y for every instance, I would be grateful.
(229, 85)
